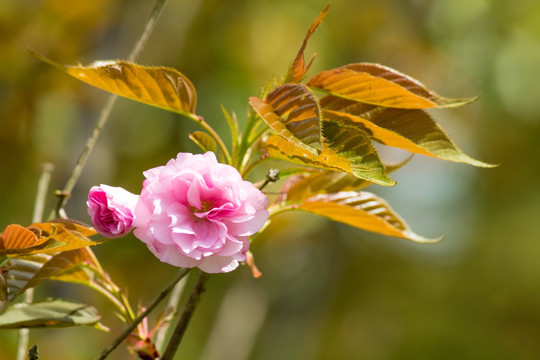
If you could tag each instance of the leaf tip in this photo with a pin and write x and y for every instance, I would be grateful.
(44, 59)
(422, 240)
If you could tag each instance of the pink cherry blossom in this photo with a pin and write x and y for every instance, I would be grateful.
(196, 212)
(111, 210)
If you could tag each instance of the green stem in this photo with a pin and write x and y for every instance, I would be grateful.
(244, 141)
(278, 209)
(200, 120)
(104, 284)
(117, 303)
(183, 322)
(252, 166)
(144, 314)
(105, 113)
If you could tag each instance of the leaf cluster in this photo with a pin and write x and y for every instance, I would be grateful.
(327, 124)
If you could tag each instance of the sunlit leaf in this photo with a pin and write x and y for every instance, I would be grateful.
(204, 141)
(23, 272)
(380, 85)
(362, 210)
(163, 87)
(68, 266)
(353, 144)
(293, 112)
(17, 239)
(48, 237)
(75, 227)
(50, 313)
(370, 169)
(300, 187)
(411, 130)
(72, 236)
(298, 68)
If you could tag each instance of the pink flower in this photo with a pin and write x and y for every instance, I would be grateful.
(111, 210)
(196, 212)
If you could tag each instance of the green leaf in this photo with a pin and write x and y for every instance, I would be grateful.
(50, 313)
(20, 270)
(298, 68)
(279, 148)
(411, 130)
(293, 112)
(204, 141)
(353, 144)
(362, 210)
(300, 187)
(380, 85)
(162, 87)
(232, 120)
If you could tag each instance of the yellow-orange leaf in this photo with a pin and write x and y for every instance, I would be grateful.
(300, 187)
(28, 271)
(380, 85)
(162, 87)
(364, 211)
(70, 235)
(298, 109)
(18, 237)
(68, 266)
(204, 141)
(293, 112)
(369, 168)
(298, 68)
(45, 238)
(75, 226)
(411, 130)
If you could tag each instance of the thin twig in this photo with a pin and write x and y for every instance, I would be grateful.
(144, 314)
(183, 322)
(39, 205)
(41, 194)
(272, 175)
(105, 113)
(174, 299)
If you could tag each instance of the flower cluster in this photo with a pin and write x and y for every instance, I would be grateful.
(192, 212)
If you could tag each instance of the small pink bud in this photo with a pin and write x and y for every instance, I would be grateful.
(111, 210)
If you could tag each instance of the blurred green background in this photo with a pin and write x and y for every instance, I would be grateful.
(328, 291)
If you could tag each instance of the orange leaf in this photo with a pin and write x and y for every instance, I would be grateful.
(362, 210)
(298, 69)
(76, 226)
(70, 235)
(293, 111)
(162, 87)
(46, 238)
(411, 130)
(18, 237)
(380, 85)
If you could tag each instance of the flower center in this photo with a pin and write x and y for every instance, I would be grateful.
(205, 206)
